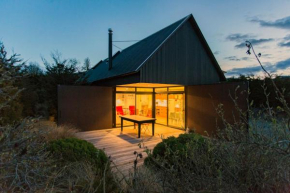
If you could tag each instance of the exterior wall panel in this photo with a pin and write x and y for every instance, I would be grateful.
(85, 107)
(202, 101)
(182, 59)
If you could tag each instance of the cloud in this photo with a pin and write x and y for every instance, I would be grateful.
(287, 37)
(239, 37)
(283, 23)
(216, 52)
(285, 42)
(267, 55)
(281, 65)
(234, 58)
(254, 42)
(246, 70)
(242, 38)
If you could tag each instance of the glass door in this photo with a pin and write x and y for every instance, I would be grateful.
(161, 108)
(176, 110)
(125, 105)
(144, 105)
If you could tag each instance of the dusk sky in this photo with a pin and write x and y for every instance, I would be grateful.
(79, 29)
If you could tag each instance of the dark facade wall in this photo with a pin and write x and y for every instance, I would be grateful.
(183, 59)
(86, 107)
(202, 101)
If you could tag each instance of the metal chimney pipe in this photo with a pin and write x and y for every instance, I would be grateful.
(110, 48)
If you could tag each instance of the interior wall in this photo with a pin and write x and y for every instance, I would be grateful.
(85, 107)
(202, 101)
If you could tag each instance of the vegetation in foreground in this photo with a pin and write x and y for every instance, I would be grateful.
(243, 157)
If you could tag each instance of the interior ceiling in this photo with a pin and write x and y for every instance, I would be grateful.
(151, 85)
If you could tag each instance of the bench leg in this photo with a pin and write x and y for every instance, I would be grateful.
(139, 130)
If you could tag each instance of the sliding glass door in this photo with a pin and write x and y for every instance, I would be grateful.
(161, 108)
(144, 105)
(125, 105)
(176, 110)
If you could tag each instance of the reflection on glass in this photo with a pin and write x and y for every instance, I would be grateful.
(176, 110)
(144, 105)
(125, 105)
(161, 108)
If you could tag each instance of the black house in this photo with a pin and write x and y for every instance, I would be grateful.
(171, 75)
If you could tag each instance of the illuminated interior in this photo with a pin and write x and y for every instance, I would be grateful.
(168, 106)
(149, 85)
(125, 105)
(176, 110)
(144, 105)
(161, 108)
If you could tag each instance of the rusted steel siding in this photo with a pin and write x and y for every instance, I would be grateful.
(182, 59)
(86, 107)
(202, 101)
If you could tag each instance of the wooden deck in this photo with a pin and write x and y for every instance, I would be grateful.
(121, 146)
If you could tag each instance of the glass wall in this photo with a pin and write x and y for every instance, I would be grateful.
(144, 105)
(161, 108)
(125, 105)
(169, 104)
(176, 110)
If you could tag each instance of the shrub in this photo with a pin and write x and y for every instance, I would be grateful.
(73, 149)
(60, 132)
(175, 146)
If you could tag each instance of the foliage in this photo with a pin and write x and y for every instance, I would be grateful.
(27, 166)
(258, 85)
(87, 65)
(34, 98)
(10, 71)
(249, 155)
(59, 72)
(173, 145)
(60, 132)
(73, 149)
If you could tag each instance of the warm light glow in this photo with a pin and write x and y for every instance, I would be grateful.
(152, 85)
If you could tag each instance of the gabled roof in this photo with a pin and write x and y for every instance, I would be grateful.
(130, 60)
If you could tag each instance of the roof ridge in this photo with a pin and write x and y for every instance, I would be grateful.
(184, 20)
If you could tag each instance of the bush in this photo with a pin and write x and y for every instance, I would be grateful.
(175, 146)
(73, 150)
(60, 132)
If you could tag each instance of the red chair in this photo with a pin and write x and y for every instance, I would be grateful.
(119, 110)
(132, 110)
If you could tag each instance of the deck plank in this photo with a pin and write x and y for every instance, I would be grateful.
(120, 146)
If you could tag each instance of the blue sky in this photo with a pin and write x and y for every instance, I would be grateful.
(78, 29)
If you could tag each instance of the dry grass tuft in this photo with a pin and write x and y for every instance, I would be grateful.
(53, 132)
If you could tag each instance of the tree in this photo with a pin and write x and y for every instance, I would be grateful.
(10, 71)
(87, 64)
(33, 69)
(59, 72)
(33, 99)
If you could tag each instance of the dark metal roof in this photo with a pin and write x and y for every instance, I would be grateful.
(132, 58)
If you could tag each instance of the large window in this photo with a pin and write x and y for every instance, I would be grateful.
(144, 105)
(169, 104)
(176, 110)
(125, 105)
(161, 108)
